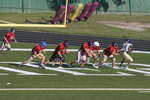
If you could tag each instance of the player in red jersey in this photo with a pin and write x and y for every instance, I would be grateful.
(37, 52)
(109, 53)
(84, 52)
(8, 39)
(58, 56)
(95, 48)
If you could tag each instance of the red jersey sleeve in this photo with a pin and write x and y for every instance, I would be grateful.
(85, 45)
(95, 48)
(9, 37)
(37, 49)
(60, 48)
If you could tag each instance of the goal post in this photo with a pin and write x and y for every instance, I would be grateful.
(8, 23)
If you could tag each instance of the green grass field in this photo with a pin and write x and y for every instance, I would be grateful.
(90, 27)
(56, 85)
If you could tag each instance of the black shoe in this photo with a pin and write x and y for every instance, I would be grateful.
(20, 65)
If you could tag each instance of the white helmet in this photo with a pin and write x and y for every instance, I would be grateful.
(96, 43)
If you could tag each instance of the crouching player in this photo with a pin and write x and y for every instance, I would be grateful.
(95, 52)
(109, 53)
(125, 51)
(37, 52)
(83, 53)
(58, 56)
(8, 39)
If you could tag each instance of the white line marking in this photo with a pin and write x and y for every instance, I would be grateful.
(139, 71)
(4, 74)
(148, 69)
(144, 92)
(28, 49)
(125, 74)
(71, 50)
(83, 69)
(19, 71)
(119, 74)
(134, 64)
(58, 70)
(49, 68)
(39, 74)
(6, 22)
(77, 89)
(130, 69)
(146, 74)
(73, 72)
(145, 65)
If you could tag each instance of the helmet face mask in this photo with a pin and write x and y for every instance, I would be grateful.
(128, 41)
(12, 30)
(90, 43)
(114, 44)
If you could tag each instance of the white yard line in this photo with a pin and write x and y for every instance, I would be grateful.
(72, 72)
(4, 74)
(58, 70)
(21, 72)
(89, 69)
(145, 65)
(6, 22)
(40, 74)
(125, 74)
(147, 69)
(138, 71)
(71, 50)
(76, 89)
(85, 74)
(144, 92)
(28, 49)
(134, 70)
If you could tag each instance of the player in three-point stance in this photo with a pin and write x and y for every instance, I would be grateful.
(82, 54)
(58, 56)
(37, 52)
(8, 39)
(109, 53)
(95, 49)
(125, 51)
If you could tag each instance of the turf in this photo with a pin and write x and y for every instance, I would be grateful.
(63, 80)
(72, 95)
(90, 27)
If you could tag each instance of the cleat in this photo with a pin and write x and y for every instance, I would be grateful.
(42, 66)
(115, 67)
(95, 66)
(60, 67)
(20, 65)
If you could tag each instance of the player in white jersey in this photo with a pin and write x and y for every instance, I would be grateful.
(125, 51)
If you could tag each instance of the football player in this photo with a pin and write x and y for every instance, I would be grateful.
(8, 39)
(83, 53)
(37, 52)
(125, 53)
(58, 56)
(109, 53)
(95, 48)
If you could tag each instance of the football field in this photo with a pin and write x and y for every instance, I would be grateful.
(71, 83)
